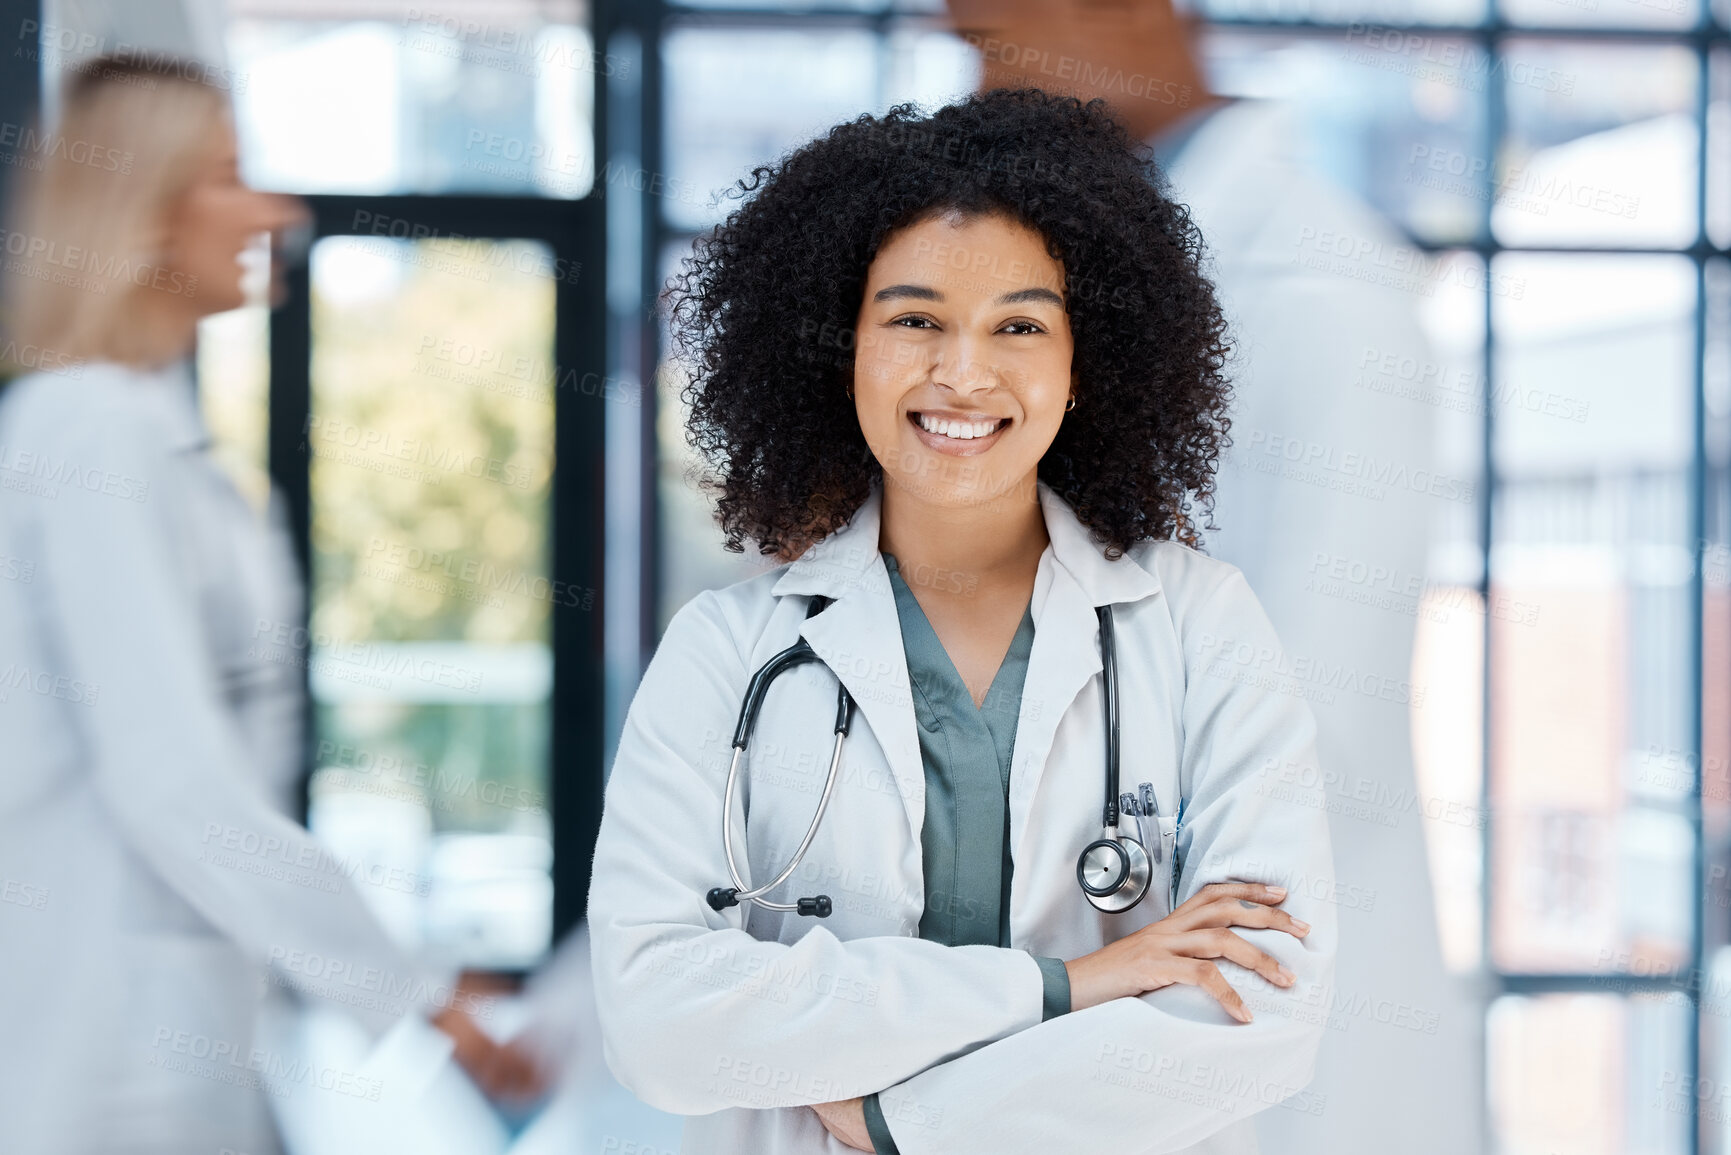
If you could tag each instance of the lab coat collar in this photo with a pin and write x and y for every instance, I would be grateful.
(848, 559)
(859, 638)
(180, 413)
(172, 399)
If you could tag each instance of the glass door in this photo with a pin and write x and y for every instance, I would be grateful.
(437, 423)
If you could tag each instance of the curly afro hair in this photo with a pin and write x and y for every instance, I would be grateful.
(763, 314)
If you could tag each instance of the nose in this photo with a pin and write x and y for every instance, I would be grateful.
(963, 366)
(283, 211)
(289, 222)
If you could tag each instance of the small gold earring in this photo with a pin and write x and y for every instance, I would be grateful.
(850, 390)
(1072, 403)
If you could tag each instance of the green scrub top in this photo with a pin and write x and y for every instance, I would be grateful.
(965, 841)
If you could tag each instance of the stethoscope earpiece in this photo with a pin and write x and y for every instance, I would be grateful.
(722, 897)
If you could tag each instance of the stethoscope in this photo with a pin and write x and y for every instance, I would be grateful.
(1114, 870)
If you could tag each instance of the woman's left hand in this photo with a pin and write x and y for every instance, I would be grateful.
(845, 1119)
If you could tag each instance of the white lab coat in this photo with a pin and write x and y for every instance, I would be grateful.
(1326, 502)
(152, 740)
(745, 1017)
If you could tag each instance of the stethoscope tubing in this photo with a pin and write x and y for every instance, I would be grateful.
(740, 892)
(800, 652)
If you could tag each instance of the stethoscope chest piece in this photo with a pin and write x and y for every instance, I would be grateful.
(1114, 872)
(1113, 869)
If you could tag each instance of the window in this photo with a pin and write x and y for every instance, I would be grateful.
(431, 667)
(440, 352)
(382, 97)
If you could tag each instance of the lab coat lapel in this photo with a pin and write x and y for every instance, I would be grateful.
(1065, 656)
(859, 638)
(1074, 577)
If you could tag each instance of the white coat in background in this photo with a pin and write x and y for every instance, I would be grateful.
(743, 1018)
(152, 718)
(1326, 502)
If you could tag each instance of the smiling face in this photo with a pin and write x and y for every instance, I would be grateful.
(962, 366)
(215, 219)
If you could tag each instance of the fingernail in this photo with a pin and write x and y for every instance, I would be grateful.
(1286, 973)
(1276, 892)
(1246, 1017)
(1303, 927)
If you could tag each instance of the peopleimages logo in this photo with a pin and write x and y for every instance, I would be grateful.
(43, 474)
(417, 459)
(45, 259)
(16, 677)
(1349, 471)
(466, 572)
(31, 147)
(1252, 664)
(283, 643)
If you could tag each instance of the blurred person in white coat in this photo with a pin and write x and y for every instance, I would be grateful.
(151, 691)
(1325, 502)
(1047, 903)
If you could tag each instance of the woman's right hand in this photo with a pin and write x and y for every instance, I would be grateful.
(1179, 949)
(505, 1072)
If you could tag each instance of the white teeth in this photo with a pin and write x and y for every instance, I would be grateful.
(960, 430)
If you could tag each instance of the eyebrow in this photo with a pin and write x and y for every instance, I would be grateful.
(927, 293)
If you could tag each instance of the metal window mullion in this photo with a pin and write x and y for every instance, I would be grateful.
(1697, 490)
(1495, 127)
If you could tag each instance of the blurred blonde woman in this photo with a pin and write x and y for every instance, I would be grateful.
(155, 889)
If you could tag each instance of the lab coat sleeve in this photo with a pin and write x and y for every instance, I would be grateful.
(1165, 1070)
(168, 762)
(696, 1014)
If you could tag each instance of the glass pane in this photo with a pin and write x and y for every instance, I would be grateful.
(1712, 1086)
(1397, 126)
(1349, 11)
(692, 556)
(431, 438)
(928, 65)
(419, 102)
(1601, 13)
(1719, 151)
(1715, 755)
(233, 369)
(1589, 1074)
(1448, 642)
(1590, 663)
(234, 394)
(728, 107)
(1602, 145)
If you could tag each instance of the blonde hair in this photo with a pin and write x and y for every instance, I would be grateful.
(82, 255)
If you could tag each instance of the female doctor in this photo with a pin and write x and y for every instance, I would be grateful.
(964, 374)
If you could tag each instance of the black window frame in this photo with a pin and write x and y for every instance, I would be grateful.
(574, 232)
